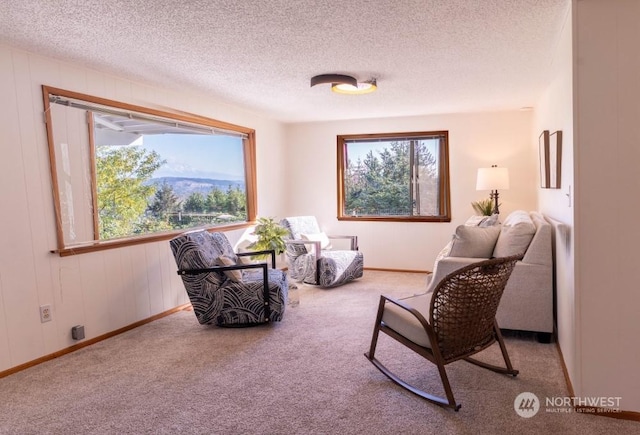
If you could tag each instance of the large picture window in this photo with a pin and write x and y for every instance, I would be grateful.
(395, 177)
(126, 174)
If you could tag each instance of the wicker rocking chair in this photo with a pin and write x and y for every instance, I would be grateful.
(454, 322)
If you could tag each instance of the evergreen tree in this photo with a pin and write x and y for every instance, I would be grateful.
(236, 201)
(382, 184)
(164, 202)
(195, 203)
(215, 201)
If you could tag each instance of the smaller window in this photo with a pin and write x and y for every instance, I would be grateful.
(394, 177)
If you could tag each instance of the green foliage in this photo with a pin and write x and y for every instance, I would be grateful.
(381, 185)
(236, 201)
(270, 236)
(164, 202)
(195, 203)
(484, 207)
(128, 204)
(216, 200)
(122, 194)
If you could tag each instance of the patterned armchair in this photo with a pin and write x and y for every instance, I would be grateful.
(330, 268)
(223, 290)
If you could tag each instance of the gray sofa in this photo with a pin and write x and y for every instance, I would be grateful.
(527, 302)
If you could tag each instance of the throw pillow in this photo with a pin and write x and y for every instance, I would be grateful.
(490, 221)
(516, 234)
(476, 221)
(474, 242)
(233, 275)
(244, 260)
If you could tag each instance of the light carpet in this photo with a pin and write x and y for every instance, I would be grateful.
(304, 375)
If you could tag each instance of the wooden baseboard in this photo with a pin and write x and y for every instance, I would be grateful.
(382, 269)
(91, 341)
(567, 379)
(623, 415)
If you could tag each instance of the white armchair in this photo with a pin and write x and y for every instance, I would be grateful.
(311, 258)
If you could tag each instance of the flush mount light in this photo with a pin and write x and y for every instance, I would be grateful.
(360, 88)
(334, 79)
(345, 84)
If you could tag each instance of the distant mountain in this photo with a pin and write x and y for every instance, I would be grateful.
(183, 186)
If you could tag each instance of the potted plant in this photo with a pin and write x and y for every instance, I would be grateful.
(484, 207)
(270, 235)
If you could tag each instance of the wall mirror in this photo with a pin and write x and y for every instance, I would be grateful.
(550, 151)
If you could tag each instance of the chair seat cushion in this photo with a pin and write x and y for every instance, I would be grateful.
(405, 323)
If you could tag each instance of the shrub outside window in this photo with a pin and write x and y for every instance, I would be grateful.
(126, 174)
(394, 177)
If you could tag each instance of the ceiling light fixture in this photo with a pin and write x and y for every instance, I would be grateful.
(344, 84)
(360, 88)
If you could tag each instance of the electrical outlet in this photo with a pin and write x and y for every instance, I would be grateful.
(45, 313)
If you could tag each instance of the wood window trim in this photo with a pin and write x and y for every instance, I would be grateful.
(249, 150)
(444, 193)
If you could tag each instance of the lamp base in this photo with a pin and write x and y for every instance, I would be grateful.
(494, 197)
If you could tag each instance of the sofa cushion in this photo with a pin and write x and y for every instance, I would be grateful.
(442, 254)
(476, 221)
(490, 221)
(515, 235)
(445, 252)
(475, 242)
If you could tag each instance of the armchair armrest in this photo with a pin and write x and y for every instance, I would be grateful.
(221, 268)
(316, 244)
(354, 240)
(413, 311)
(317, 252)
(266, 251)
(265, 279)
(404, 307)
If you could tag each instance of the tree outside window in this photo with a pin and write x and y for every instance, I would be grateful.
(393, 177)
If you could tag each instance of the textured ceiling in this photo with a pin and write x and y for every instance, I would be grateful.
(429, 56)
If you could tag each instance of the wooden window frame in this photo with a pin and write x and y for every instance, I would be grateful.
(444, 191)
(249, 152)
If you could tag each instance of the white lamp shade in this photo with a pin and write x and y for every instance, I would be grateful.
(492, 179)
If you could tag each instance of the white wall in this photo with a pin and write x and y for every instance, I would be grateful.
(103, 290)
(553, 112)
(475, 140)
(607, 234)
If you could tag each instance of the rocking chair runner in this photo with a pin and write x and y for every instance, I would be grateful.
(454, 322)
